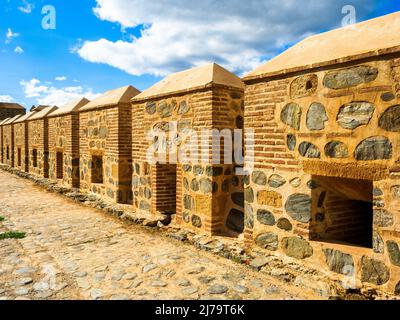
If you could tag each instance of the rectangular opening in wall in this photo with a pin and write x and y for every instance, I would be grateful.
(8, 153)
(60, 165)
(97, 169)
(19, 157)
(342, 211)
(164, 188)
(34, 158)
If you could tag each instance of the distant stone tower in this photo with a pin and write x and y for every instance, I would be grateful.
(10, 110)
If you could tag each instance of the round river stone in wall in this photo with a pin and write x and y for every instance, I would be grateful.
(196, 221)
(164, 109)
(249, 194)
(387, 96)
(351, 77)
(188, 202)
(186, 216)
(296, 247)
(291, 142)
(151, 107)
(183, 107)
(259, 178)
(194, 185)
(276, 181)
(265, 217)
(355, 114)
(383, 218)
(394, 252)
(316, 117)
(374, 271)
(298, 206)
(284, 224)
(291, 115)
(308, 150)
(336, 149)
(339, 262)
(267, 240)
(304, 86)
(248, 216)
(205, 185)
(390, 119)
(374, 148)
(235, 221)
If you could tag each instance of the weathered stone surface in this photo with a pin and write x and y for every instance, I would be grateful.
(309, 150)
(183, 108)
(186, 167)
(196, 221)
(374, 271)
(249, 195)
(374, 148)
(276, 181)
(387, 96)
(214, 171)
(238, 198)
(395, 190)
(316, 117)
(205, 185)
(383, 218)
(151, 107)
(339, 262)
(298, 206)
(390, 119)
(248, 216)
(378, 245)
(269, 198)
(144, 205)
(235, 220)
(304, 86)
(336, 149)
(267, 240)
(258, 177)
(284, 224)
(198, 170)
(194, 185)
(188, 202)
(350, 77)
(296, 247)
(291, 115)
(312, 184)
(355, 114)
(217, 289)
(291, 142)
(394, 252)
(295, 182)
(186, 216)
(265, 217)
(165, 109)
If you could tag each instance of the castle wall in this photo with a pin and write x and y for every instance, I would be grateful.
(38, 147)
(21, 148)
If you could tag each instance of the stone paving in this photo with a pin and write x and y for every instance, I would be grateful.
(74, 252)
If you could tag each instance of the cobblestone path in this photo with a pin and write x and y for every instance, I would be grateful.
(74, 252)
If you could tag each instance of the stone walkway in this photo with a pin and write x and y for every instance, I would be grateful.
(75, 252)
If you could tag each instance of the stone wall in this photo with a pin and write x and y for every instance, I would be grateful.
(38, 142)
(314, 131)
(203, 191)
(106, 133)
(64, 140)
(8, 144)
(21, 148)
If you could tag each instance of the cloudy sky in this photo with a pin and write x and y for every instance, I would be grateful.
(97, 45)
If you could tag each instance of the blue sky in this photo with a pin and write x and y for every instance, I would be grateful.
(137, 42)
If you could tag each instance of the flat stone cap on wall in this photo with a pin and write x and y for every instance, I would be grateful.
(9, 105)
(43, 113)
(11, 120)
(112, 98)
(71, 107)
(25, 117)
(369, 38)
(190, 80)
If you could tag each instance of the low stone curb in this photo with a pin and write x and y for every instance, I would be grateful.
(227, 248)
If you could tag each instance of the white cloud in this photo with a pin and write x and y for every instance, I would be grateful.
(6, 98)
(27, 7)
(61, 78)
(49, 95)
(183, 33)
(11, 35)
(19, 50)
